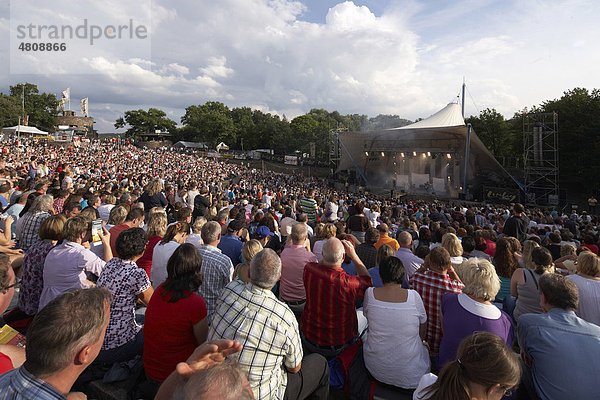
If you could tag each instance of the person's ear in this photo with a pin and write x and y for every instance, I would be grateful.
(84, 356)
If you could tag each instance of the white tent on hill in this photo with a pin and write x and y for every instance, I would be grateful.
(23, 130)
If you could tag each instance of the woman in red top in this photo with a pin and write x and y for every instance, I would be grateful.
(157, 226)
(176, 320)
(588, 241)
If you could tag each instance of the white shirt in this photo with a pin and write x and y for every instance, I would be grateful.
(394, 352)
(160, 257)
(589, 298)
(104, 211)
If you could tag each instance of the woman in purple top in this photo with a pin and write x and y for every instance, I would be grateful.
(472, 310)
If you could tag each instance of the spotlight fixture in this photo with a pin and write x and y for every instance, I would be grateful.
(414, 153)
(367, 153)
(428, 154)
(382, 154)
(402, 155)
(448, 155)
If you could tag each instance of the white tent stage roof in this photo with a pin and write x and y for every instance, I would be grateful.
(425, 157)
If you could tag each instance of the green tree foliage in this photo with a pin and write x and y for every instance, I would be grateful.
(493, 131)
(579, 138)
(211, 123)
(141, 122)
(41, 107)
(10, 110)
(385, 122)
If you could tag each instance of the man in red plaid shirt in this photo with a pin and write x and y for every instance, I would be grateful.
(433, 280)
(329, 322)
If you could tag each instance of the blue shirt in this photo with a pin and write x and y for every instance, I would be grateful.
(231, 246)
(19, 384)
(375, 277)
(565, 354)
(350, 268)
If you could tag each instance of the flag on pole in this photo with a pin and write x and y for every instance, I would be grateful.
(84, 106)
(26, 120)
(61, 105)
(66, 94)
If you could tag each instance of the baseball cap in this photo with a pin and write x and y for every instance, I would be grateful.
(262, 232)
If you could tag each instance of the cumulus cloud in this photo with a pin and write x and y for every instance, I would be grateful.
(407, 58)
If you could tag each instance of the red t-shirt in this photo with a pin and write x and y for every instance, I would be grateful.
(5, 363)
(329, 316)
(114, 234)
(168, 332)
(145, 261)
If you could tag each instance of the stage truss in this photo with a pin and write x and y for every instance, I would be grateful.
(540, 140)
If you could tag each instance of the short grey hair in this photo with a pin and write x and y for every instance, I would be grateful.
(63, 327)
(210, 232)
(333, 252)
(404, 238)
(42, 203)
(224, 381)
(299, 232)
(265, 269)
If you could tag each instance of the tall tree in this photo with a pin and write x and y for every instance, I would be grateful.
(141, 122)
(493, 131)
(210, 122)
(41, 107)
(10, 110)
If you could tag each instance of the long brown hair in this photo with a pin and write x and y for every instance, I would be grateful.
(504, 259)
(482, 358)
(174, 229)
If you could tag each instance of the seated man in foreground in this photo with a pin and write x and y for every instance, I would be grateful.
(560, 350)
(268, 332)
(63, 339)
(329, 321)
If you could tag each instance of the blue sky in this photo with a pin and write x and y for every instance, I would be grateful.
(404, 57)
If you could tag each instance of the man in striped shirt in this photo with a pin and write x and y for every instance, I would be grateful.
(309, 207)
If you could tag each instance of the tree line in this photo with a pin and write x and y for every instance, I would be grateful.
(213, 122)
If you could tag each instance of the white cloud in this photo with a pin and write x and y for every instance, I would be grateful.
(408, 59)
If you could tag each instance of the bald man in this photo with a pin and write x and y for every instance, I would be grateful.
(410, 261)
(385, 239)
(329, 321)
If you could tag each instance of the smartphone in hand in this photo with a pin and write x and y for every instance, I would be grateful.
(96, 229)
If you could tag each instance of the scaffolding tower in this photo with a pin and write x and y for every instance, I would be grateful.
(540, 140)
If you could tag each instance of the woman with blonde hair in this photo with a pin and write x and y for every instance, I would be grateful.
(588, 283)
(116, 217)
(525, 261)
(195, 237)
(327, 231)
(152, 196)
(175, 235)
(485, 368)
(451, 242)
(249, 250)
(155, 230)
(472, 310)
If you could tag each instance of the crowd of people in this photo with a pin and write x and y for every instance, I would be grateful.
(194, 277)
